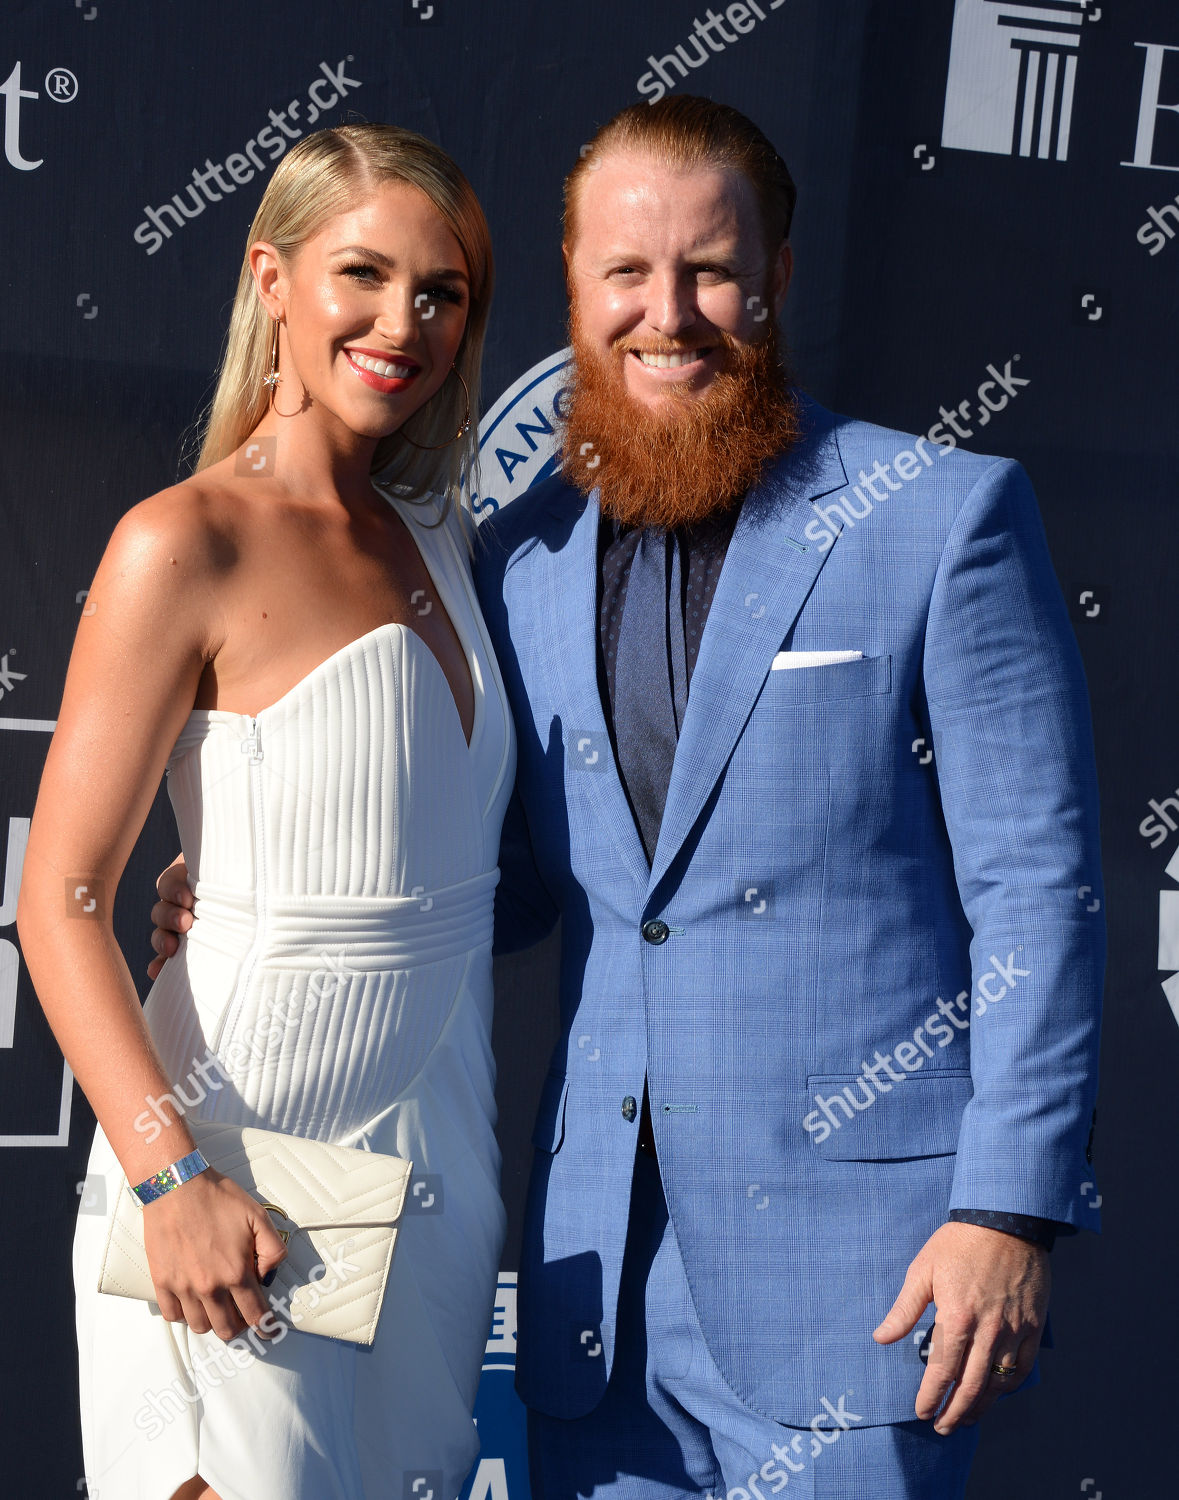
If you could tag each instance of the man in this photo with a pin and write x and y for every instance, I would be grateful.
(810, 785)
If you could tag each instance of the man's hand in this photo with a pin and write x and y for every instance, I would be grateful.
(991, 1292)
(172, 913)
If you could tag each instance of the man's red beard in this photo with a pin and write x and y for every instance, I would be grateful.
(691, 456)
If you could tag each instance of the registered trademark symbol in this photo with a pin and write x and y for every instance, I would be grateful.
(61, 85)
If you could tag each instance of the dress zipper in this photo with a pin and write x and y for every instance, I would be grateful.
(250, 746)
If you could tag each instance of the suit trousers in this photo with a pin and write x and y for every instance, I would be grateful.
(668, 1425)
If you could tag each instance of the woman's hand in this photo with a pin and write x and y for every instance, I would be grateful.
(201, 1240)
(172, 913)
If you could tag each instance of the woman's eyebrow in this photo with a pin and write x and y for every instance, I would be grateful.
(451, 273)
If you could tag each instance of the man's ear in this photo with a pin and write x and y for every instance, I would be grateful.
(566, 268)
(782, 272)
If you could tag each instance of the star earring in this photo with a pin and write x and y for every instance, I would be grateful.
(272, 377)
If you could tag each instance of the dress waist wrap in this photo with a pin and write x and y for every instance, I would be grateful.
(351, 932)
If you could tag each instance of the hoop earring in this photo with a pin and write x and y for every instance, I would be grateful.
(463, 430)
(272, 377)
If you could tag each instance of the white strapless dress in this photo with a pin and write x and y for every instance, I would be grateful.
(336, 983)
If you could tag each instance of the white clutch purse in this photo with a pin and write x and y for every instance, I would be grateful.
(337, 1207)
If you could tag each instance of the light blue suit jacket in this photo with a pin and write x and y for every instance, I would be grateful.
(827, 881)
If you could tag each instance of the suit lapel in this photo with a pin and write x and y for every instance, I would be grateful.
(769, 569)
(568, 644)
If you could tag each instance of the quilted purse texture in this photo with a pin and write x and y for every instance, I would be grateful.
(340, 1205)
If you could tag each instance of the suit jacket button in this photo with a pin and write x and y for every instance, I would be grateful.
(630, 1107)
(656, 931)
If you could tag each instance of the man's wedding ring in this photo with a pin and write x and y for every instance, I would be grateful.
(1002, 1369)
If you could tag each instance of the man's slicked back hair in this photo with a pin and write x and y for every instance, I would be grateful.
(687, 131)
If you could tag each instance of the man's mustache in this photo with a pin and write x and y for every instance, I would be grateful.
(628, 346)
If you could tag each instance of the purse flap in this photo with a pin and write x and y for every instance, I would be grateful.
(317, 1185)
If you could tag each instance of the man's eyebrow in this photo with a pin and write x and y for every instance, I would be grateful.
(707, 255)
(723, 246)
(447, 273)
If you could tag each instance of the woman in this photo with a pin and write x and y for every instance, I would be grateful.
(301, 651)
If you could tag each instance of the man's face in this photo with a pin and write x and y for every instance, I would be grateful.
(663, 263)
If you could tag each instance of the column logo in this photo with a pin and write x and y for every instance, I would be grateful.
(1013, 74)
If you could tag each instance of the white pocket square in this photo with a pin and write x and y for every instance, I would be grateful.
(786, 659)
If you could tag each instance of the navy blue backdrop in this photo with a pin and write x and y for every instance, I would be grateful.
(989, 204)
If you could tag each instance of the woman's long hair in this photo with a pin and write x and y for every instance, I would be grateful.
(324, 174)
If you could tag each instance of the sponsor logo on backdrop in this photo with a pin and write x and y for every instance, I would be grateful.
(18, 838)
(1012, 87)
(36, 1085)
(1160, 70)
(518, 436)
(1169, 935)
(1155, 828)
(1013, 76)
(60, 85)
(1013, 81)
(500, 1350)
(1160, 75)
(502, 1470)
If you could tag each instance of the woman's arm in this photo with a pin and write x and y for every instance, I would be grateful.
(153, 620)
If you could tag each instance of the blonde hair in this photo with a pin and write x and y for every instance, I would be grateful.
(324, 174)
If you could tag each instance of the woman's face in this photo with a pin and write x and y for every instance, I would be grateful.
(375, 306)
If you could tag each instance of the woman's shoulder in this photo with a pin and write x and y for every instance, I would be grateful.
(167, 562)
(183, 543)
(192, 515)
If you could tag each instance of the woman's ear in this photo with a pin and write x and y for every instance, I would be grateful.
(271, 281)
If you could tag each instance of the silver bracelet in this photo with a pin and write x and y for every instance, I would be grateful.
(171, 1177)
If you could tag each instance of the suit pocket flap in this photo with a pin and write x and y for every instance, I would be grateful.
(919, 1116)
(549, 1130)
